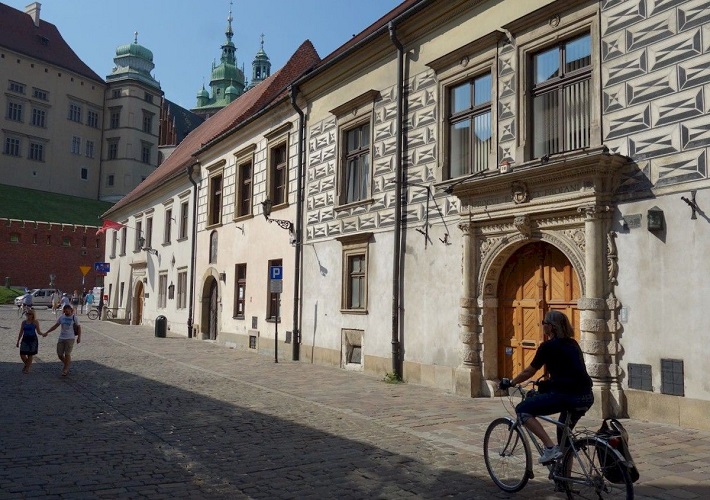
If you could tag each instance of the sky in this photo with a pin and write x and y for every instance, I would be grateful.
(186, 36)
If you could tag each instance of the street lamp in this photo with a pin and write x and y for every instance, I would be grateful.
(267, 205)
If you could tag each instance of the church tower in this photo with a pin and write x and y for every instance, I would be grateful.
(261, 66)
(227, 81)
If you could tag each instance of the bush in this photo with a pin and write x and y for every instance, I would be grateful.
(7, 295)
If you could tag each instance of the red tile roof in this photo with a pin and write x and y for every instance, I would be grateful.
(44, 42)
(271, 90)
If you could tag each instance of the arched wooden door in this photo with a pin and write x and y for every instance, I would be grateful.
(536, 279)
(212, 315)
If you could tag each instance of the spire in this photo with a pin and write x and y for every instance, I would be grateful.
(135, 37)
(228, 49)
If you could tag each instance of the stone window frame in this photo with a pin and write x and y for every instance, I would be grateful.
(354, 245)
(242, 158)
(15, 110)
(93, 118)
(465, 63)
(162, 289)
(352, 114)
(13, 146)
(277, 138)
(537, 31)
(240, 286)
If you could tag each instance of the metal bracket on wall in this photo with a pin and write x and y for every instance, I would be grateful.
(692, 204)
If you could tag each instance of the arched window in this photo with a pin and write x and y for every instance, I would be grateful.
(213, 247)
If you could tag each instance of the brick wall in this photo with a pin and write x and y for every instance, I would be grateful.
(30, 251)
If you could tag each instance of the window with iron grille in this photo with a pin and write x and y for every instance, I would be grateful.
(672, 377)
(640, 377)
(470, 126)
(561, 111)
(240, 290)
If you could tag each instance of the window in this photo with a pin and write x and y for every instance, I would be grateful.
(120, 293)
(182, 289)
(355, 179)
(18, 88)
(84, 175)
(75, 113)
(12, 146)
(240, 290)
(273, 305)
(640, 377)
(110, 180)
(89, 149)
(147, 122)
(469, 126)
(215, 201)
(138, 240)
(354, 292)
(36, 151)
(167, 233)
(115, 118)
(278, 174)
(672, 377)
(124, 237)
(115, 93)
(145, 153)
(114, 240)
(148, 97)
(92, 119)
(149, 233)
(184, 211)
(76, 145)
(244, 200)
(561, 97)
(39, 117)
(113, 149)
(162, 290)
(14, 111)
(14, 237)
(213, 247)
(40, 94)
(66, 241)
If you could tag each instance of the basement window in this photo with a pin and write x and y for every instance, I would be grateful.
(672, 377)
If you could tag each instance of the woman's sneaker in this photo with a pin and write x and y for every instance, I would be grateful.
(550, 454)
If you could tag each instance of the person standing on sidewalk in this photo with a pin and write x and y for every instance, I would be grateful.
(55, 301)
(27, 340)
(89, 301)
(69, 333)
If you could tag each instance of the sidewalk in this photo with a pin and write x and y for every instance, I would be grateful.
(147, 417)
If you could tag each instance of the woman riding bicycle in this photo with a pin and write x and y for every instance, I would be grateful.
(570, 386)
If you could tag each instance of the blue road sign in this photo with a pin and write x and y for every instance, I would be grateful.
(276, 272)
(102, 267)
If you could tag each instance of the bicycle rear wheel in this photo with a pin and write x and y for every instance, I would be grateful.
(589, 472)
(507, 455)
(93, 314)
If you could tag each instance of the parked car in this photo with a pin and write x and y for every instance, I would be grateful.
(41, 297)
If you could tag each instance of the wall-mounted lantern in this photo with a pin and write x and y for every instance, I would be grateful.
(655, 219)
(223, 277)
(171, 291)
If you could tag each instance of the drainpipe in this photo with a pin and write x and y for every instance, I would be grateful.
(296, 337)
(193, 253)
(396, 258)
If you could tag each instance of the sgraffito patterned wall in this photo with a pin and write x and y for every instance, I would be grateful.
(656, 87)
(322, 218)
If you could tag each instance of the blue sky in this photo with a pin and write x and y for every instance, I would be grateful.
(185, 36)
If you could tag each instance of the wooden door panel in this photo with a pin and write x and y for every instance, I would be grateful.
(536, 279)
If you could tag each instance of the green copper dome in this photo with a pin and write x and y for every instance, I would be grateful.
(203, 93)
(136, 50)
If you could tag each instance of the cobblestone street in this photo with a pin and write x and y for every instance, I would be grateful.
(147, 417)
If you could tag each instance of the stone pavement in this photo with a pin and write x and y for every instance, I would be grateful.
(147, 417)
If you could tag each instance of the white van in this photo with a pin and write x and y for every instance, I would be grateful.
(41, 297)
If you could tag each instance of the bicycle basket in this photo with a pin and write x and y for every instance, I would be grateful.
(616, 436)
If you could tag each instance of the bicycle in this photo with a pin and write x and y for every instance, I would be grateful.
(94, 314)
(589, 459)
(23, 309)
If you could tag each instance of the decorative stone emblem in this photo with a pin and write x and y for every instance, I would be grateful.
(522, 224)
(519, 192)
(612, 258)
(464, 61)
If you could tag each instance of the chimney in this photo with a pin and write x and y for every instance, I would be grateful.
(33, 11)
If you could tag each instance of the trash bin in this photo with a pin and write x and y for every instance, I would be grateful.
(161, 326)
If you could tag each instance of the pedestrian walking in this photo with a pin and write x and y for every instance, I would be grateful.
(27, 340)
(69, 333)
(75, 300)
(64, 301)
(89, 301)
(55, 301)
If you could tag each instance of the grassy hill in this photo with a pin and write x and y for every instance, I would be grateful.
(29, 204)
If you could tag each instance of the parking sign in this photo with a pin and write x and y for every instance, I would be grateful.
(276, 272)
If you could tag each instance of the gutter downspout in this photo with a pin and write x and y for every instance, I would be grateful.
(296, 338)
(397, 253)
(193, 254)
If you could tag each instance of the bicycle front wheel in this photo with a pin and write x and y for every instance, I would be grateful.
(507, 455)
(93, 314)
(594, 472)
